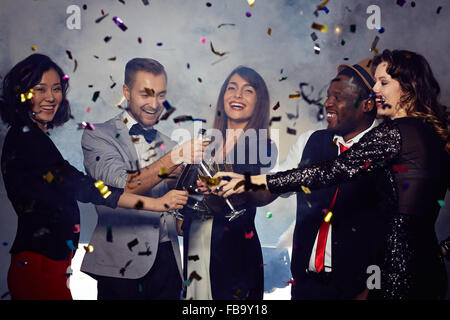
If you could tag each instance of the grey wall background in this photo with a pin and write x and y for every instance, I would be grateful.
(179, 26)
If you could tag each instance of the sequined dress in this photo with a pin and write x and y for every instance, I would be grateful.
(410, 158)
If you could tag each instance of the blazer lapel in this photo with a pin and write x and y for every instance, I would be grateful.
(124, 139)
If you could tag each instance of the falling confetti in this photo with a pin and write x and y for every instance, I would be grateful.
(132, 244)
(119, 23)
(34, 48)
(95, 96)
(75, 66)
(291, 131)
(217, 52)
(225, 24)
(70, 245)
(295, 95)
(353, 28)
(210, 181)
(251, 2)
(373, 46)
(194, 258)
(248, 14)
(306, 190)
(401, 2)
(276, 106)
(274, 119)
(269, 31)
(320, 27)
(98, 20)
(48, 177)
(316, 48)
(76, 228)
(249, 235)
(314, 36)
(328, 216)
(100, 185)
(109, 236)
(438, 10)
(69, 54)
(89, 248)
(441, 203)
(269, 215)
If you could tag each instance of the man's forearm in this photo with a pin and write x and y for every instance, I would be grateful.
(140, 183)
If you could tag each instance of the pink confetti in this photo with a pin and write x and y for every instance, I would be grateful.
(249, 235)
(163, 147)
(203, 40)
(76, 228)
(88, 109)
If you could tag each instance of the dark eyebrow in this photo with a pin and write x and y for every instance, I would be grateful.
(245, 85)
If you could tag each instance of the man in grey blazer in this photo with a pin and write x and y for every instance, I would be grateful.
(136, 253)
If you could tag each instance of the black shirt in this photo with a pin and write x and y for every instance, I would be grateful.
(43, 189)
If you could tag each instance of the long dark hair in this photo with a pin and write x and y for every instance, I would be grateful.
(420, 87)
(261, 114)
(19, 80)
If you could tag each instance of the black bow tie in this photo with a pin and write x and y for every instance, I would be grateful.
(149, 134)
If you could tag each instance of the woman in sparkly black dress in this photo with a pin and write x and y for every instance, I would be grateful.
(410, 151)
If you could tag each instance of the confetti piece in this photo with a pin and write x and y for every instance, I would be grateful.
(269, 31)
(166, 115)
(75, 65)
(401, 2)
(76, 228)
(374, 43)
(34, 48)
(139, 205)
(5, 244)
(122, 270)
(194, 258)
(140, 287)
(199, 80)
(182, 119)
(294, 95)
(217, 52)
(323, 4)
(95, 96)
(70, 245)
(380, 30)
(84, 125)
(119, 23)
(314, 36)
(366, 165)
(65, 78)
(145, 2)
(276, 106)
(291, 131)
(248, 14)
(274, 119)
(225, 24)
(150, 92)
(89, 248)
(269, 215)
(441, 203)
(139, 39)
(159, 44)
(342, 42)
(438, 10)
(251, 2)
(324, 9)
(88, 109)
(109, 236)
(100, 185)
(328, 216)
(145, 253)
(282, 79)
(203, 40)
(98, 20)
(249, 235)
(316, 48)
(132, 244)
(208, 4)
(292, 281)
(320, 27)
(48, 177)
(210, 181)
(353, 28)
(306, 190)
(69, 54)
(194, 275)
(112, 59)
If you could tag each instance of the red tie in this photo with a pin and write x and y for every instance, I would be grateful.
(323, 230)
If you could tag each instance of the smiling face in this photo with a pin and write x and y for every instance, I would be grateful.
(388, 93)
(343, 116)
(47, 97)
(239, 101)
(145, 106)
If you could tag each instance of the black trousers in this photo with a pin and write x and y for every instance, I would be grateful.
(313, 286)
(162, 282)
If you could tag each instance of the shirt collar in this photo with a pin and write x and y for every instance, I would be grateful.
(355, 139)
(130, 121)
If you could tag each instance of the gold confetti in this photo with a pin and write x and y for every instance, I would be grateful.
(34, 48)
(328, 216)
(48, 177)
(89, 248)
(295, 95)
(210, 181)
(150, 92)
(320, 27)
(323, 4)
(269, 31)
(100, 185)
(251, 2)
(306, 190)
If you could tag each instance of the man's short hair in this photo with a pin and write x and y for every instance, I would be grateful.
(142, 64)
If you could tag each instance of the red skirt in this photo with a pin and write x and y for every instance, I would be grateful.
(32, 276)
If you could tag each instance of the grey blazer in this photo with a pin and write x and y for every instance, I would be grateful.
(125, 241)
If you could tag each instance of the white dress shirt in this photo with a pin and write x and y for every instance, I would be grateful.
(146, 153)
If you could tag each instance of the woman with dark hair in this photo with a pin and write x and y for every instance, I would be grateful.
(227, 254)
(410, 150)
(44, 188)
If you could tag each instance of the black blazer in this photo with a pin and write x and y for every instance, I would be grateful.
(356, 223)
